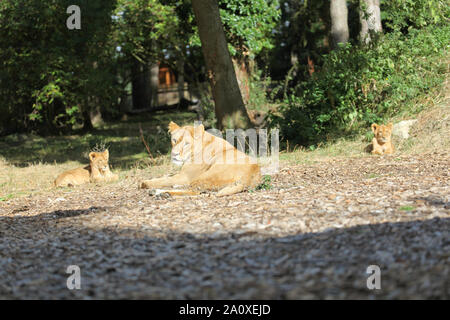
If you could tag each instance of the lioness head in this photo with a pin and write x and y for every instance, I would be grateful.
(182, 139)
(99, 160)
(382, 132)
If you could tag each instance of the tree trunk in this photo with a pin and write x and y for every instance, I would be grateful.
(154, 84)
(95, 114)
(87, 124)
(370, 18)
(339, 23)
(229, 107)
(141, 90)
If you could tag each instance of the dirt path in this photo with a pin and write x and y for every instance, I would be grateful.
(312, 236)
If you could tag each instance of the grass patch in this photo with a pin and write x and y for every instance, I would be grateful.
(265, 184)
(342, 148)
(407, 208)
(7, 197)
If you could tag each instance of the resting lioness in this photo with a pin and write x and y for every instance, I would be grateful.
(208, 163)
(97, 171)
(382, 142)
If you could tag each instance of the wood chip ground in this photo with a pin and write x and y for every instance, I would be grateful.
(312, 235)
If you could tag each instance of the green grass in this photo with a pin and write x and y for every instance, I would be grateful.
(265, 184)
(407, 208)
(7, 197)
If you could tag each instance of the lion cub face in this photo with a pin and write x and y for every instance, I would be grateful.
(99, 160)
(382, 141)
(382, 132)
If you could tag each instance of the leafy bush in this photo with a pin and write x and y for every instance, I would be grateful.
(411, 14)
(358, 85)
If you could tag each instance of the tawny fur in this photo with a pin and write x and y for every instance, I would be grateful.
(208, 163)
(97, 171)
(382, 142)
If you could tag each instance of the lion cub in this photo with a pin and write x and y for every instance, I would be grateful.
(382, 143)
(97, 171)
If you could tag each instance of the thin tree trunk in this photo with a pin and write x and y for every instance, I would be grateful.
(87, 124)
(229, 107)
(180, 81)
(95, 114)
(154, 84)
(135, 84)
(370, 18)
(339, 23)
(91, 109)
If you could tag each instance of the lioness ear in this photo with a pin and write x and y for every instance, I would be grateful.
(374, 127)
(106, 153)
(198, 131)
(92, 156)
(173, 126)
(390, 125)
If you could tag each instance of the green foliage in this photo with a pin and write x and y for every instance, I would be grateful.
(358, 85)
(249, 24)
(259, 87)
(52, 77)
(49, 74)
(143, 28)
(302, 32)
(265, 184)
(410, 14)
(208, 111)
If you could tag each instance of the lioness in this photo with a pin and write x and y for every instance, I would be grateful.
(208, 163)
(97, 171)
(381, 143)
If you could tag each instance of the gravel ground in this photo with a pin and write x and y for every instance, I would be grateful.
(312, 235)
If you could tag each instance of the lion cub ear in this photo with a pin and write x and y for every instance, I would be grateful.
(106, 154)
(374, 127)
(173, 126)
(92, 156)
(390, 125)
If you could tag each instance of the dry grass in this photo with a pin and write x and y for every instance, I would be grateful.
(20, 181)
(432, 130)
(37, 178)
